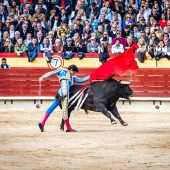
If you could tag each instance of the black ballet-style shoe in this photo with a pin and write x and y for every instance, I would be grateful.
(41, 127)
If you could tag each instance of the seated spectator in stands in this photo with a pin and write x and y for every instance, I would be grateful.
(24, 31)
(168, 14)
(4, 13)
(143, 36)
(69, 49)
(166, 39)
(16, 37)
(76, 38)
(125, 32)
(27, 6)
(41, 17)
(19, 24)
(150, 50)
(92, 9)
(81, 49)
(134, 39)
(154, 38)
(117, 48)
(63, 38)
(74, 30)
(63, 28)
(51, 38)
(27, 16)
(108, 15)
(11, 31)
(85, 38)
(142, 25)
(93, 46)
(93, 34)
(8, 46)
(107, 5)
(106, 25)
(132, 12)
(28, 22)
(142, 12)
(106, 34)
(63, 15)
(117, 18)
(163, 21)
(4, 64)
(43, 4)
(129, 42)
(165, 28)
(113, 31)
(118, 37)
(141, 51)
(126, 21)
(158, 31)
(87, 29)
(28, 39)
(20, 47)
(33, 50)
(80, 24)
(101, 19)
(105, 49)
(42, 9)
(39, 29)
(99, 32)
(4, 37)
(57, 47)
(93, 22)
(55, 22)
(67, 5)
(45, 48)
(147, 32)
(161, 50)
(155, 14)
(6, 26)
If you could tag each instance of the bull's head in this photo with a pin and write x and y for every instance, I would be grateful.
(124, 90)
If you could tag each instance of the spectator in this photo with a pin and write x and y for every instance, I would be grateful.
(4, 37)
(20, 47)
(142, 12)
(45, 48)
(113, 31)
(51, 38)
(69, 49)
(126, 21)
(105, 34)
(8, 46)
(93, 46)
(132, 13)
(161, 50)
(101, 19)
(118, 36)
(4, 64)
(106, 25)
(63, 38)
(117, 48)
(24, 31)
(76, 38)
(166, 39)
(150, 50)
(154, 38)
(136, 32)
(117, 18)
(81, 49)
(93, 22)
(28, 39)
(63, 15)
(11, 31)
(143, 36)
(41, 17)
(39, 29)
(33, 50)
(63, 28)
(129, 42)
(92, 10)
(125, 32)
(55, 22)
(85, 38)
(57, 47)
(141, 51)
(75, 30)
(63, 5)
(105, 49)
(99, 32)
(16, 37)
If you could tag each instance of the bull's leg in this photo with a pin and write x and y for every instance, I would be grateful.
(102, 108)
(115, 113)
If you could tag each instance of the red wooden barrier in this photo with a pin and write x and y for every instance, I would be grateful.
(24, 82)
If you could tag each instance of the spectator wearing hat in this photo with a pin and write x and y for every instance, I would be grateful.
(117, 48)
(92, 10)
(119, 37)
(106, 34)
(129, 42)
(33, 50)
(105, 49)
(131, 23)
(69, 49)
(106, 25)
(125, 31)
(55, 22)
(63, 28)
(4, 64)
(93, 22)
(93, 46)
(57, 47)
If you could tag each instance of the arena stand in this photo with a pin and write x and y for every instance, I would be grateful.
(20, 83)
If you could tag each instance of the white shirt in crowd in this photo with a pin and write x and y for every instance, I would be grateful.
(117, 49)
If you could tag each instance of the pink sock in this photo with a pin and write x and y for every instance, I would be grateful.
(45, 118)
(67, 124)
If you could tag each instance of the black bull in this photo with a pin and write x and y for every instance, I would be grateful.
(103, 96)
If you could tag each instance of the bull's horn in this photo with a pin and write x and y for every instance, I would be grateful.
(125, 82)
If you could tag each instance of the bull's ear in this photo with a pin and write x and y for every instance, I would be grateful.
(125, 82)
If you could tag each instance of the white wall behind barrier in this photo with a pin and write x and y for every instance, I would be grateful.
(136, 105)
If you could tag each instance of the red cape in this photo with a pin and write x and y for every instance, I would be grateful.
(122, 65)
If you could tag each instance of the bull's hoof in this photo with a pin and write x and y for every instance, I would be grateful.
(41, 127)
(124, 124)
(61, 129)
(113, 122)
(71, 130)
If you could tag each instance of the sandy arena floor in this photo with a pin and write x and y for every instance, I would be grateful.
(143, 144)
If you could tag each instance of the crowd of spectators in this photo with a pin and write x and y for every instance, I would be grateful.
(85, 26)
